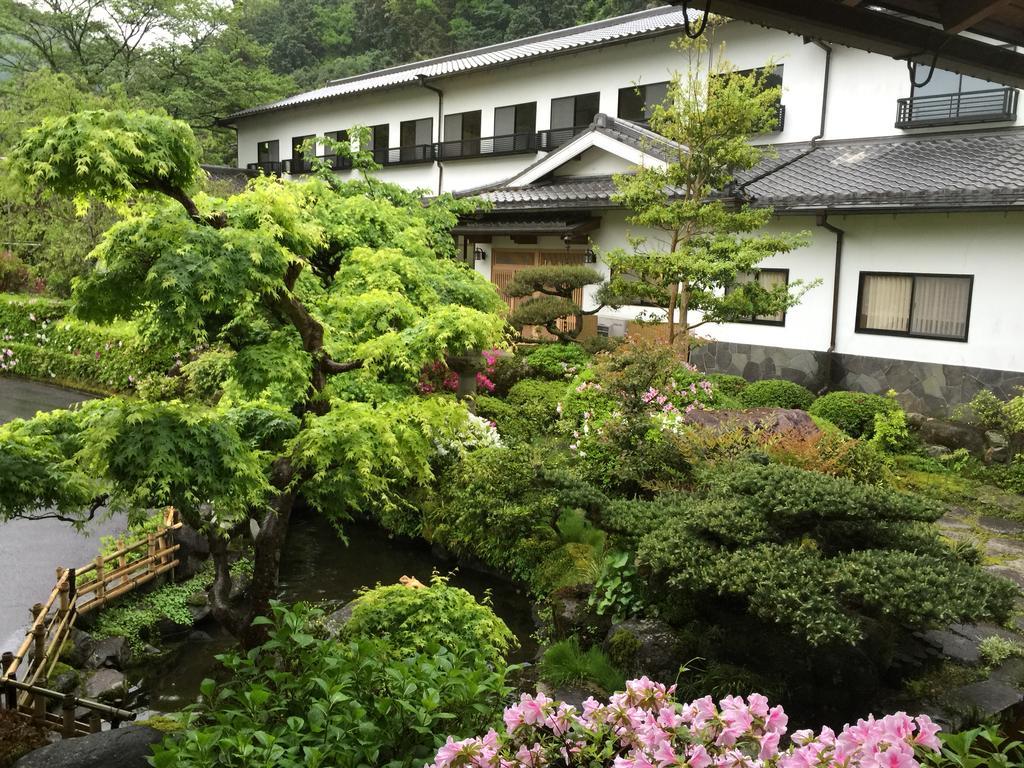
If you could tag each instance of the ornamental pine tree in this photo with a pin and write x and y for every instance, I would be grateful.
(555, 285)
(322, 302)
(703, 241)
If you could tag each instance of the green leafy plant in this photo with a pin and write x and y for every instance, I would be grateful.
(618, 592)
(728, 383)
(852, 412)
(776, 393)
(566, 664)
(547, 293)
(890, 432)
(412, 619)
(558, 361)
(300, 700)
(996, 649)
(983, 747)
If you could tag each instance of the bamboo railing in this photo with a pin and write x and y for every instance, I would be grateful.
(78, 591)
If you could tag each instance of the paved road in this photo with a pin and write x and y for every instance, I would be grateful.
(31, 550)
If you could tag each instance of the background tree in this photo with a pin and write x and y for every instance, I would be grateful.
(704, 240)
(326, 299)
(556, 284)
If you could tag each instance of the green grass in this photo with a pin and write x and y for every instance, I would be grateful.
(565, 664)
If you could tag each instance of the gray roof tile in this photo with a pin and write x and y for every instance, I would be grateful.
(643, 23)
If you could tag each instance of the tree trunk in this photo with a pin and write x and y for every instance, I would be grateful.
(683, 301)
(673, 296)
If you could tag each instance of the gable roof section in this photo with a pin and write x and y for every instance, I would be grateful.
(596, 34)
(949, 171)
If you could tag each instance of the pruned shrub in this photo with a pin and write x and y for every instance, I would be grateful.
(727, 383)
(558, 361)
(852, 412)
(776, 393)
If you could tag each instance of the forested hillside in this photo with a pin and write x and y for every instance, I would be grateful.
(200, 60)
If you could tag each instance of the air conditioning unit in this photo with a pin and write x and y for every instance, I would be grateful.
(611, 327)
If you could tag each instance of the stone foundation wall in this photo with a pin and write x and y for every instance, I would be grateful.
(931, 388)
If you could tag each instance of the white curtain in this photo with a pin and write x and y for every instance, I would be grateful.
(768, 279)
(940, 306)
(885, 302)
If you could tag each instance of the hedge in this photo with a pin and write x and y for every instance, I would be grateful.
(38, 340)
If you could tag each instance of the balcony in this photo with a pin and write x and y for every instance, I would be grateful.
(492, 146)
(300, 165)
(995, 105)
(269, 167)
(413, 153)
(553, 138)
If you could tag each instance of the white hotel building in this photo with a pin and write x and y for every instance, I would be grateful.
(914, 195)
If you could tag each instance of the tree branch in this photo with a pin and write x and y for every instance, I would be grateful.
(217, 221)
(97, 505)
(333, 366)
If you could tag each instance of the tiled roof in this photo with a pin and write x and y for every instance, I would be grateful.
(977, 170)
(965, 170)
(643, 23)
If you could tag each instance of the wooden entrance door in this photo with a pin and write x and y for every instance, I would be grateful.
(506, 263)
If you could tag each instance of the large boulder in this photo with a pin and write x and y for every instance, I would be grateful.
(951, 434)
(125, 747)
(790, 422)
(79, 648)
(646, 647)
(193, 549)
(105, 685)
(335, 622)
(113, 652)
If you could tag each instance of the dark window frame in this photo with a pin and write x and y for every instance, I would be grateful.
(756, 319)
(632, 89)
(271, 143)
(908, 334)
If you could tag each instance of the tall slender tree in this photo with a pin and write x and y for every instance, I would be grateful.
(695, 242)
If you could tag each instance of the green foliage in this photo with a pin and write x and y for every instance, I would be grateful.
(136, 616)
(996, 649)
(47, 344)
(727, 383)
(1004, 415)
(852, 412)
(302, 701)
(411, 620)
(18, 737)
(558, 361)
(817, 555)
(550, 290)
(503, 505)
(703, 244)
(890, 433)
(560, 280)
(982, 747)
(530, 410)
(566, 664)
(776, 393)
(508, 370)
(618, 591)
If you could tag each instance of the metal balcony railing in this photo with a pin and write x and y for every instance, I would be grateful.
(508, 144)
(300, 165)
(414, 153)
(993, 105)
(269, 167)
(553, 138)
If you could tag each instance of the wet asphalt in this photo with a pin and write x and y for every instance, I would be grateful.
(31, 550)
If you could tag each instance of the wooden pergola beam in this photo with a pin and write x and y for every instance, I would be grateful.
(877, 32)
(958, 15)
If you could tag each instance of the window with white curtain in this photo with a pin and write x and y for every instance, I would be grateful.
(767, 279)
(927, 306)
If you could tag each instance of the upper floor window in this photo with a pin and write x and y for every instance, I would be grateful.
(416, 139)
(948, 98)
(570, 115)
(767, 279)
(515, 127)
(298, 162)
(922, 305)
(268, 151)
(462, 134)
(637, 101)
(331, 153)
(378, 142)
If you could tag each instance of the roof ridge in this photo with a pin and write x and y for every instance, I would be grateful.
(538, 38)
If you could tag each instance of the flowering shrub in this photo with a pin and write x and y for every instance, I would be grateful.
(645, 727)
(438, 377)
(38, 341)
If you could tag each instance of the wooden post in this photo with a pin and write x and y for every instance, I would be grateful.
(65, 602)
(101, 588)
(68, 716)
(95, 723)
(38, 637)
(10, 696)
(39, 702)
(122, 561)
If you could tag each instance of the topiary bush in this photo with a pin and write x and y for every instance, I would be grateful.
(821, 557)
(411, 619)
(727, 383)
(558, 361)
(536, 405)
(852, 412)
(776, 393)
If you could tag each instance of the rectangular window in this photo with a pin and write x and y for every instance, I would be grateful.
(925, 306)
(380, 141)
(299, 163)
(415, 140)
(331, 152)
(462, 134)
(570, 115)
(515, 127)
(637, 101)
(767, 279)
(268, 151)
